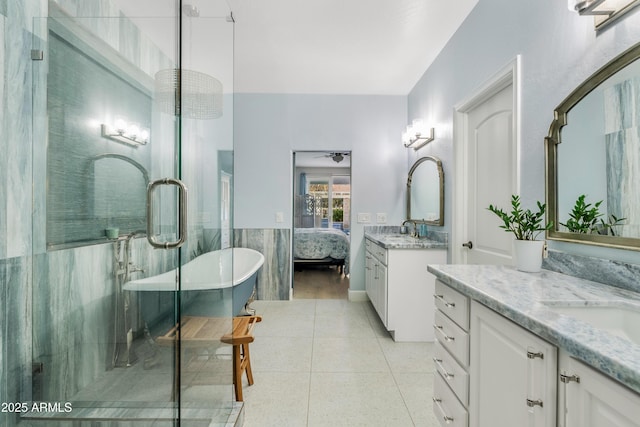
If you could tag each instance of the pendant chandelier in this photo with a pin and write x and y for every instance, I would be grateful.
(188, 93)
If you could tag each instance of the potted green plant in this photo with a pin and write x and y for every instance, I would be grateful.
(525, 225)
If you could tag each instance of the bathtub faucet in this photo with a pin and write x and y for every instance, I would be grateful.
(134, 268)
(126, 262)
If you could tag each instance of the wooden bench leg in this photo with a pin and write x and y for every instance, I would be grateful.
(246, 363)
(237, 372)
(241, 363)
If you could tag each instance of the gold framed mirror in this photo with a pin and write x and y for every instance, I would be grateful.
(425, 192)
(593, 158)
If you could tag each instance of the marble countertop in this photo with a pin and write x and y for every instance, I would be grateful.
(404, 241)
(525, 298)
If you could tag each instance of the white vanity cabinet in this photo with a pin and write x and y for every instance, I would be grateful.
(512, 373)
(376, 278)
(588, 398)
(491, 372)
(401, 289)
(451, 357)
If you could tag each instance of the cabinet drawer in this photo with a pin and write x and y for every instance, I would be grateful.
(368, 245)
(453, 304)
(452, 337)
(446, 407)
(377, 251)
(452, 373)
(380, 254)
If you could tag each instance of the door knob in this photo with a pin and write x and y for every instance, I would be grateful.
(469, 244)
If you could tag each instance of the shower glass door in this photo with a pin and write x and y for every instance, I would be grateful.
(132, 132)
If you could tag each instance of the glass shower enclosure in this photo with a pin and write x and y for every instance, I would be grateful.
(132, 154)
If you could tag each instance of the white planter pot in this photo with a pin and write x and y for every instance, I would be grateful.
(528, 254)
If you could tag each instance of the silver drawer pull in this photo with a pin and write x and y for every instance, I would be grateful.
(532, 403)
(569, 378)
(532, 355)
(445, 374)
(447, 419)
(444, 301)
(444, 335)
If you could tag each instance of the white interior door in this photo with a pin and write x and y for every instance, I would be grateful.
(488, 176)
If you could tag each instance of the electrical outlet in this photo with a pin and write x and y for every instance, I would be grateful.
(381, 218)
(364, 218)
(279, 217)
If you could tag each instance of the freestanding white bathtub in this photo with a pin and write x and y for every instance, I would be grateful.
(235, 268)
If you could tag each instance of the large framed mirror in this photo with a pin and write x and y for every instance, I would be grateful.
(593, 158)
(425, 192)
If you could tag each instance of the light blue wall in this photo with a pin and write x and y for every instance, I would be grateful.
(559, 49)
(269, 127)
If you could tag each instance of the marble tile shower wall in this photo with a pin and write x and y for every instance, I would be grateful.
(73, 317)
(16, 126)
(274, 278)
(4, 142)
(15, 334)
(15, 199)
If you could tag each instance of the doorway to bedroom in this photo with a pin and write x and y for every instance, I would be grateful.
(321, 224)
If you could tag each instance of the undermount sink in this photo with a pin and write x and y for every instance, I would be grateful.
(618, 320)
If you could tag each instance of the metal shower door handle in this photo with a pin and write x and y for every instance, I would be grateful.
(182, 213)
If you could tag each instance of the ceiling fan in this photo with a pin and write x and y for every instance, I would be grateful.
(336, 157)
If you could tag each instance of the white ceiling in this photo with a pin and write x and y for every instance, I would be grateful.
(326, 46)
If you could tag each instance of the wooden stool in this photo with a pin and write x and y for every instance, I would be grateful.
(240, 338)
(199, 332)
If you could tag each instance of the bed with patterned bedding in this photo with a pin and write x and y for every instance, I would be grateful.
(321, 246)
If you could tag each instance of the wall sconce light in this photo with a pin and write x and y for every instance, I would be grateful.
(589, 7)
(604, 11)
(127, 133)
(417, 135)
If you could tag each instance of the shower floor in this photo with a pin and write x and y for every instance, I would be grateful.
(142, 394)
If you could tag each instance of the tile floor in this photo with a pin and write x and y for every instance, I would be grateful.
(331, 363)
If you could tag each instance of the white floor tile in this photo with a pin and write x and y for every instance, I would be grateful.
(348, 355)
(281, 354)
(315, 363)
(333, 307)
(277, 399)
(408, 356)
(351, 324)
(285, 325)
(293, 307)
(417, 392)
(356, 399)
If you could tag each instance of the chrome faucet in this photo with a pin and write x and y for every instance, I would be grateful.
(414, 233)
